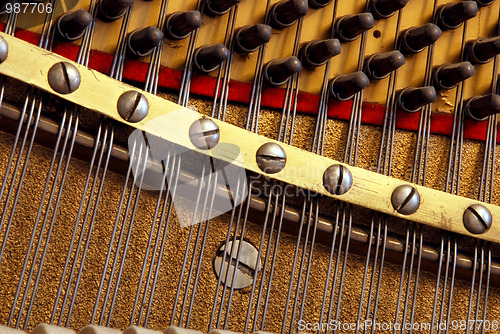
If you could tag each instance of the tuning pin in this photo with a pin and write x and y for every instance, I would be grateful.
(111, 10)
(71, 26)
(219, 7)
(482, 51)
(452, 15)
(208, 57)
(412, 99)
(449, 75)
(382, 9)
(380, 65)
(250, 38)
(344, 87)
(284, 13)
(349, 27)
(319, 3)
(483, 3)
(416, 39)
(278, 71)
(3, 7)
(316, 53)
(480, 108)
(142, 42)
(179, 25)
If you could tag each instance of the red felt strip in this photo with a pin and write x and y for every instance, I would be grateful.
(240, 92)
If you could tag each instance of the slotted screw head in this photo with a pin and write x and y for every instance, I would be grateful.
(337, 179)
(405, 199)
(477, 219)
(271, 158)
(64, 78)
(4, 49)
(133, 106)
(248, 264)
(204, 134)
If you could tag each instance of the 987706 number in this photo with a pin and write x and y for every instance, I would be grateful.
(28, 7)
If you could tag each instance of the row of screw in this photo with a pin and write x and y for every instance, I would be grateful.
(204, 134)
(405, 199)
(65, 78)
(337, 179)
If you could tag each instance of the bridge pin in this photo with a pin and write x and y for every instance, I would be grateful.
(208, 57)
(448, 76)
(349, 27)
(316, 53)
(284, 13)
(380, 65)
(250, 38)
(412, 99)
(219, 7)
(141, 42)
(480, 108)
(180, 24)
(344, 87)
(71, 26)
(452, 15)
(319, 3)
(416, 39)
(482, 51)
(111, 10)
(278, 71)
(382, 9)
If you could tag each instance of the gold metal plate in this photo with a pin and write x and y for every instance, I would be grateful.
(171, 122)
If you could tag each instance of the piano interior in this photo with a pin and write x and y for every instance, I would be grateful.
(407, 89)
